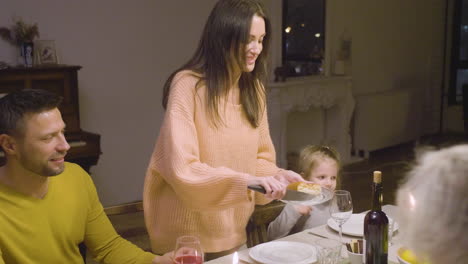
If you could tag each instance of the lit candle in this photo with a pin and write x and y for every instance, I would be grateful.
(412, 201)
(235, 258)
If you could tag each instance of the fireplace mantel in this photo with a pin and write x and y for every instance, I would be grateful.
(331, 95)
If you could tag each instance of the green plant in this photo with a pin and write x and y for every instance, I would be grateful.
(19, 33)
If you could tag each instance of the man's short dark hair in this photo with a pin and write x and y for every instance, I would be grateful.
(14, 106)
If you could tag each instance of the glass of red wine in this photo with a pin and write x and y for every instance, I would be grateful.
(188, 250)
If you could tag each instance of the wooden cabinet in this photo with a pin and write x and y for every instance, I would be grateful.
(62, 80)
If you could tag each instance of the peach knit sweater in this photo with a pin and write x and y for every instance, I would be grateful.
(196, 181)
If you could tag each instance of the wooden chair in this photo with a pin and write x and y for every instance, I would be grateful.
(259, 221)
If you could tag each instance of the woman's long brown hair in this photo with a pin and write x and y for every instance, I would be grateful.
(221, 50)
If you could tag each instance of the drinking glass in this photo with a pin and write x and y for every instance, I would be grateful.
(188, 250)
(391, 224)
(328, 251)
(341, 209)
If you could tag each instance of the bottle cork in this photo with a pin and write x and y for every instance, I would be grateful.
(377, 176)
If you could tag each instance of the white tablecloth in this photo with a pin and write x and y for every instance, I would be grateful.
(309, 236)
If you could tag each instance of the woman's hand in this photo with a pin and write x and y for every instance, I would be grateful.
(274, 188)
(164, 259)
(288, 176)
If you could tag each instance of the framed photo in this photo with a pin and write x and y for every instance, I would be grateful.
(45, 52)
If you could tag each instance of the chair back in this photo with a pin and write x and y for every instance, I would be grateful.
(262, 216)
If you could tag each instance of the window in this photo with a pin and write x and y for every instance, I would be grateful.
(459, 66)
(303, 35)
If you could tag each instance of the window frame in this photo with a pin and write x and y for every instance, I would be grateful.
(455, 62)
(283, 35)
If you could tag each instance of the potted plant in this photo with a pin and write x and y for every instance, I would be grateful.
(22, 35)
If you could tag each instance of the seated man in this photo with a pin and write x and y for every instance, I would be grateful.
(49, 206)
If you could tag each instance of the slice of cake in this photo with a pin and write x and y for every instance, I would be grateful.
(310, 188)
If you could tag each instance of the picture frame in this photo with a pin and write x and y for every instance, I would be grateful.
(45, 52)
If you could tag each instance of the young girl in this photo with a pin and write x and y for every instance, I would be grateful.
(318, 164)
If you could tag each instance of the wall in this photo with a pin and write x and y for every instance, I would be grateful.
(397, 46)
(127, 50)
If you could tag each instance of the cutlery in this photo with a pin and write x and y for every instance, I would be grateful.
(311, 233)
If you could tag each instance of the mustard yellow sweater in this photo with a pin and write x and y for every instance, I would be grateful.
(196, 181)
(49, 230)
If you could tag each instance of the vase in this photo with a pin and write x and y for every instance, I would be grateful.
(26, 51)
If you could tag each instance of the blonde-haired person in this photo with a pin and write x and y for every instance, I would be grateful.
(433, 206)
(318, 164)
(215, 140)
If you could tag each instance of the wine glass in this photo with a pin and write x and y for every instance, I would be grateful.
(341, 209)
(391, 224)
(188, 250)
(328, 250)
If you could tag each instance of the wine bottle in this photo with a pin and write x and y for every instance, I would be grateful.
(376, 227)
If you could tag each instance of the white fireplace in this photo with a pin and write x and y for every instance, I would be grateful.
(332, 96)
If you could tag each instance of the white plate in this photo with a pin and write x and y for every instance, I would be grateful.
(355, 225)
(324, 196)
(281, 252)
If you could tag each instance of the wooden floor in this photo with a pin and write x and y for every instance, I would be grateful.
(357, 177)
(394, 163)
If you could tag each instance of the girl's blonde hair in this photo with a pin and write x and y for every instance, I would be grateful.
(312, 155)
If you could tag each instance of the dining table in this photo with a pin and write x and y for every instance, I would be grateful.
(310, 236)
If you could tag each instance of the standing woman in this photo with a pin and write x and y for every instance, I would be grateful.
(215, 140)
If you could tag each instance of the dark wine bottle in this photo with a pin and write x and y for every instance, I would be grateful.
(376, 227)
